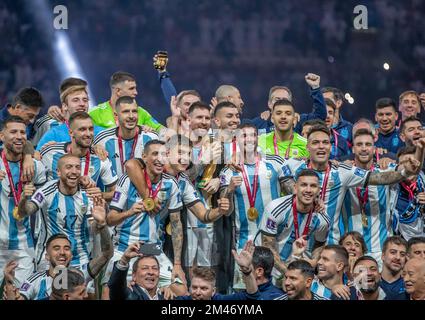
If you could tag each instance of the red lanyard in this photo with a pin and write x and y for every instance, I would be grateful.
(377, 155)
(325, 181)
(251, 196)
(288, 149)
(16, 195)
(67, 124)
(133, 147)
(295, 214)
(365, 197)
(336, 134)
(152, 193)
(87, 163)
(411, 188)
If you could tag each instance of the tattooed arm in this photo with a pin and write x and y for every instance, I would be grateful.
(26, 206)
(177, 239)
(107, 251)
(270, 242)
(384, 178)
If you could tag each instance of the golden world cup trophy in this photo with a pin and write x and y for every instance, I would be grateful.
(160, 60)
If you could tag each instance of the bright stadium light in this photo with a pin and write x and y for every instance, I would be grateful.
(386, 66)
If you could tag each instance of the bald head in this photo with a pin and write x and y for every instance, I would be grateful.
(67, 158)
(414, 278)
(229, 93)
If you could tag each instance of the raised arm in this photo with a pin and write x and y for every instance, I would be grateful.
(244, 261)
(210, 215)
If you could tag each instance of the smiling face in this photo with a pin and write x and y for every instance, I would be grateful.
(248, 140)
(200, 121)
(363, 148)
(370, 281)
(147, 273)
(59, 253)
(201, 289)
(127, 115)
(179, 157)
(14, 137)
(76, 101)
(353, 247)
(283, 117)
(228, 118)
(328, 266)
(69, 171)
(394, 257)
(155, 158)
(82, 132)
(412, 132)
(307, 189)
(386, 118)
(414, 276)
(296, 284)
(409, 105)
(319, 146)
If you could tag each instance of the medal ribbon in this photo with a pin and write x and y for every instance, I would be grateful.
(152, 193)
(87, 162)
(288, 149)
(295, 214)
(410, 188)
(133, 147)
(325, 181)
(364, 196)
(253, 195)
(16, 195)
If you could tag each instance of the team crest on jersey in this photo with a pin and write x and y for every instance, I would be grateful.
(271, 224)
(39, 197)
(268, 174)
(91, 170)
(360, 172)
(117, 196)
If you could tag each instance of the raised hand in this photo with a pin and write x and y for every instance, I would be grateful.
(313, 80)
(235, 182)
(244, 258)
(299, 246)
(56, 113)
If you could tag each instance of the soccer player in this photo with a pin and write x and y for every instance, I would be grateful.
(229, 93)
(339, 144)
(386, 116)
(336, 180)
(411, 130)
(251, 188)
(63, 207)
(393, 260)
(283, 141)
(368, 210)
(298, 280)
(122, 84)
(291, 217)
(73, 285)
(369, 281)
(127, 140)
(416, 247)
(414, 278)
(16, 240)
(81, 131)
(74, 98)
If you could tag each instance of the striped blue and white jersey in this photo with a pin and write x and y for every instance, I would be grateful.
(314, 296)
(378, 212)
(408, 214)
(109, 140)
(41, 126)
(269, 176)
(39, 285)
(278, 221)
(59, 213)
(16, 235)
(341, 178)
(142, 226)
(98, 169)
(317, 287)
(190, 196)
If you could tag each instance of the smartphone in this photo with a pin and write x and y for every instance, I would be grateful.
(150, 249)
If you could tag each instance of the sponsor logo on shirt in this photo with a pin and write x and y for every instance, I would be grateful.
(117, 196)
(271, 224)
(25, 286)
(360, 172)
(39, 197)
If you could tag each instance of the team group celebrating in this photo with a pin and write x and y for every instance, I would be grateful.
(107, 203)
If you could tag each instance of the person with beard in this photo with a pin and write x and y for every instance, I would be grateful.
(414, 278)
(249, 189)
(131, 221)
(340, 146)
(393, 261)
(368, 210)
(335, 180)
(416, 248)
(409, 199)
(367, 279)
(411, 131)
(74, 97)
(63, 207)
(16, 240)
(292, 217)
(386, 117)
(298, 280)
(127, 139)
(283, 141)
(81, 131)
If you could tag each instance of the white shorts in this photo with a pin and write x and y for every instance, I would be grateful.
(165, 269)
(26, 264)
(200, 247)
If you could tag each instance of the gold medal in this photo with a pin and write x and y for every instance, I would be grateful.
(168, 229)
(364, 219)
(252, 214)
(149, 204)
(15, 214)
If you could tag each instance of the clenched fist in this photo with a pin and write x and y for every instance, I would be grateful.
(313, 80)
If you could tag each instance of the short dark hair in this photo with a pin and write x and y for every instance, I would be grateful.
(11, 119)
(357, 236)
(330, 103)
(71, 82)
(119, 77)
(74, 278)
(307, 173)
(364, 258)
(204, 273)
(405, 150)
(397, 240)
(136, 263)
(318, 128)
(385, 102)
(248, 125)
(363, 132)
(340, 252)
(79, 115)
(283, 102)
(151, 143)
(413, 241)
(337, 93)
(222, 105)
(263, 258)
(199, 105)
(29, 97)
(56, 236)
(314, 122)
(408, 119)
(303, 266)
(274, 88)
(124, 100)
